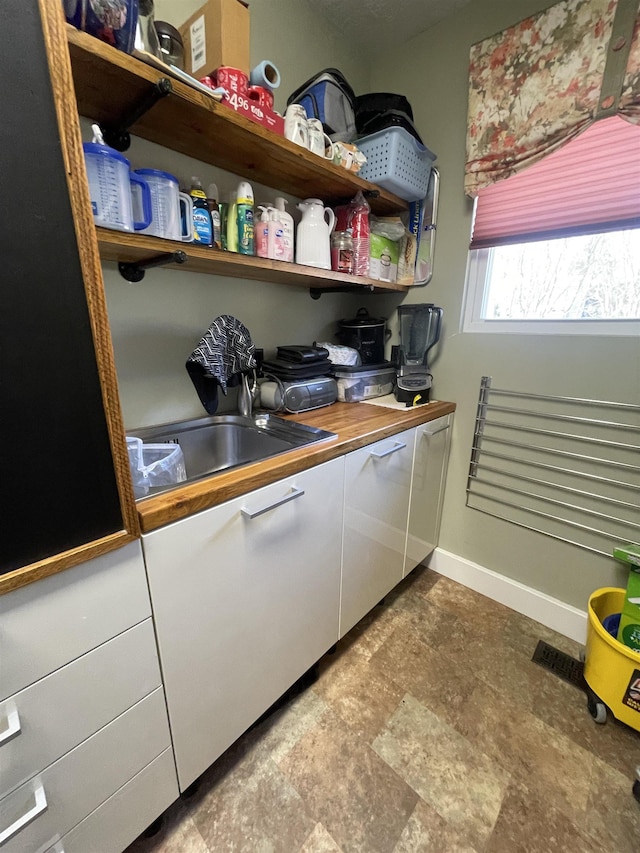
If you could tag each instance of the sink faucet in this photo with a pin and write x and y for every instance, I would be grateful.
(245, 398)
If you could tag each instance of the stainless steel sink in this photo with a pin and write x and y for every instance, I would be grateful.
(214, 444)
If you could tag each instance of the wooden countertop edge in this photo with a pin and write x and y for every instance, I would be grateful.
(356, 425)
(66, 560)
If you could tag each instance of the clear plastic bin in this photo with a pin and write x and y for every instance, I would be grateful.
(364, 383)
(154, 465)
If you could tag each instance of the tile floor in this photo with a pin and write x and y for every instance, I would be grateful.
(429, 729)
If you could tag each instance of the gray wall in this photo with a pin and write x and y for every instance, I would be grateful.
(157, 324)
(432, 71)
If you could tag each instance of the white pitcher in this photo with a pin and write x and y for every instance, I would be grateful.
(313, 245)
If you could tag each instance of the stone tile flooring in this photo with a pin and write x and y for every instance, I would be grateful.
(429, 730)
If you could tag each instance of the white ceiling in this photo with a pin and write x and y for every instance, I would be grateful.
(379, 23)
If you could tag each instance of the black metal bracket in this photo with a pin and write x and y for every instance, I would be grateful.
(316, 292)
(118, 136)
(135, 271)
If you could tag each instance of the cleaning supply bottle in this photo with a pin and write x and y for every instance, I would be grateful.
(262, 233)
(275, 236)
(202, 228)
(232, 222)
(214, 212)
(245, 219)
(287, 229)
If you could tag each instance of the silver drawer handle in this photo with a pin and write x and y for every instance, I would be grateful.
(13, 725)
(27, 817)
(428, 432)
(399, 445)
(295, 493)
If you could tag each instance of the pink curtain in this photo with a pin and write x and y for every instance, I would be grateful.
(538, 84)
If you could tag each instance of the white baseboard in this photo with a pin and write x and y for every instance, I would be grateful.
(555, 614)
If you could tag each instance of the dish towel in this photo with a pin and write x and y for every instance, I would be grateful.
(223, 354)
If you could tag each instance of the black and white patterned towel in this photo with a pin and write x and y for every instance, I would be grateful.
(225, 350)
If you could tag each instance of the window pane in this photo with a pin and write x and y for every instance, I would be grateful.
(591, 277)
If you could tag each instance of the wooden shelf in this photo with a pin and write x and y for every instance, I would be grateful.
(135, 248)
(110, 84)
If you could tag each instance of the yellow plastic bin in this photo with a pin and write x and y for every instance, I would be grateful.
(611, 669)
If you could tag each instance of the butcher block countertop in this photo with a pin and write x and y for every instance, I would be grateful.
(355, 425)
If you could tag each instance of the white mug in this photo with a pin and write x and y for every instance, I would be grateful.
(296, 127)
(319, 142)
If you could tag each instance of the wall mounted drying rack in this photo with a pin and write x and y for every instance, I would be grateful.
(562, 466)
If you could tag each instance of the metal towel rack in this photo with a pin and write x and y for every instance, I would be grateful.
(566, 467)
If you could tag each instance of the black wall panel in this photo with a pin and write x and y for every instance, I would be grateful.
(57, 480)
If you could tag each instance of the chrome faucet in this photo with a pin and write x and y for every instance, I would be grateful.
(245, 397)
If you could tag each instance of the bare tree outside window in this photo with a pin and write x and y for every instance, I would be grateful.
(591, 277)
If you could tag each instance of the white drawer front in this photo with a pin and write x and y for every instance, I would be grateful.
(121, 819)
(66, 792)
(60, 711)
(51, 622)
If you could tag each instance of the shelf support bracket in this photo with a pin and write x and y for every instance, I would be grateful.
(316, 292)
(135, 271)
(118, 136)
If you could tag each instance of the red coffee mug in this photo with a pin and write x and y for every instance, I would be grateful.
(263, 97)
(232, 79)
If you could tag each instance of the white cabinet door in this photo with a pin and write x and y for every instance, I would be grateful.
(377, 484)
(427, 489)
(245, 598)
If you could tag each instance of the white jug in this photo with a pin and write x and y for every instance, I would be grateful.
(313, 245)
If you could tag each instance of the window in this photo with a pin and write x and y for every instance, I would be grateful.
(556, 248)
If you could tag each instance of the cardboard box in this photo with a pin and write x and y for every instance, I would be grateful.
(252, 110)
(217, 34)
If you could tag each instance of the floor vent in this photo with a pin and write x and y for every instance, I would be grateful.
(560, 664)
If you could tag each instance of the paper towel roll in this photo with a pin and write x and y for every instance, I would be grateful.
(266, 75)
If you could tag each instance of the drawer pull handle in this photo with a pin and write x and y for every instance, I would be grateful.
(13, 725)
(27, 817)
(399, 445)
(429, 432)
(295, 493)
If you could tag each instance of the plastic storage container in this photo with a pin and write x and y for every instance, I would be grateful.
(397, 162)
(154, 465)
(365, 382)
(611, 669)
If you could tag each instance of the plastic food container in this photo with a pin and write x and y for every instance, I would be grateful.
(154, 465)
(364, 383)
(397, 162)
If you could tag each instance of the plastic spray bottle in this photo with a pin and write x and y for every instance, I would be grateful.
(287, 229)
(232, 222)
(245, 219)
(214, 212)
(202, 228)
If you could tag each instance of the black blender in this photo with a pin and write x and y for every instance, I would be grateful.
(419, 332)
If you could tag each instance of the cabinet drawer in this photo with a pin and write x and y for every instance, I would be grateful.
(121, 819)
(376, 513)
(60, 711)
(49, 623)
(57, 799)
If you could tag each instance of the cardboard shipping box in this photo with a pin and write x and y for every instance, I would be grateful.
(217, 34)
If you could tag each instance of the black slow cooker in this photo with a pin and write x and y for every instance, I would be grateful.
(366, 334)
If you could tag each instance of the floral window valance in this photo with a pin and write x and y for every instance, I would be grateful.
(539, 84)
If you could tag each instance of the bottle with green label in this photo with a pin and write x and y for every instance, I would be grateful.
(214, 211)
(245, 219)
(202, 227)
